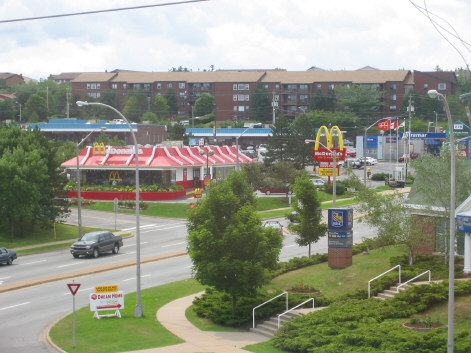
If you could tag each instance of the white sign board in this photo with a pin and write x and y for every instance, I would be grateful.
(107, 301)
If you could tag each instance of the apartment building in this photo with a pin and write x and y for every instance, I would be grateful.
(290, 91)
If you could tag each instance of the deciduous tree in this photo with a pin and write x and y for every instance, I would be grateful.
(230, 249)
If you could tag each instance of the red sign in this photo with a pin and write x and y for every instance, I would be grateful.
(325, 155)
(73, 287)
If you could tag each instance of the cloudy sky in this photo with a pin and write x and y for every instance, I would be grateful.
(234, 34)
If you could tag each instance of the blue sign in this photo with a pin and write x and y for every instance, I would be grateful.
(340, 219)
(463, 222)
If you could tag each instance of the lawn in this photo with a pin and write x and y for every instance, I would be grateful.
(146, 333)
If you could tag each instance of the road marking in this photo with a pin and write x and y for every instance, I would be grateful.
(14, 306)
(32, 263)
(175, 244)
(72, 264)
(134, 278)
(155, 226)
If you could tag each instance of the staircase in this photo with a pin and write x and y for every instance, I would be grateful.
(269, 327)
(390, 293)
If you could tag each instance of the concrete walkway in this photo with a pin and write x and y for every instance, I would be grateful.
(172, 316)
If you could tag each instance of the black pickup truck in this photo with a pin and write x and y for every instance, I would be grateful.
(95, 243)
(7, 256)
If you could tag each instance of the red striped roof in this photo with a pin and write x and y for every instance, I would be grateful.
(155, 157)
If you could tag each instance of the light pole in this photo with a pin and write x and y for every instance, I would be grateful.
(451, 264)
(364, 148)
(79, 196)
(209, 153)
(138, 310)
(237, 143)
(334, 170)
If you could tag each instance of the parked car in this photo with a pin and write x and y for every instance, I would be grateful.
(351, 152)
(275, 224)
(318, 182)
(361, 161)
(7, 256)
(404, 157)
(347, 142)
(95, 243)
(267, 190)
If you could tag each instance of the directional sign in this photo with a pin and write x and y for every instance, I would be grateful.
(73, 287)
(107, 301)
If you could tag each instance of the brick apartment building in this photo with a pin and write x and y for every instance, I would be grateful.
(290, 91)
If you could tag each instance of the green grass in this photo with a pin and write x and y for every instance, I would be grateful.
(111, 335)
(143, 333)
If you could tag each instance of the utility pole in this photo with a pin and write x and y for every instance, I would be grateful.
(274, 104)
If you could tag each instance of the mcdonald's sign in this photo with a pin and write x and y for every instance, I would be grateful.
(99, 148)
(114, 177)
(322, 152)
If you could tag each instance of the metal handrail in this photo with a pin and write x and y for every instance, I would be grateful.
(423, 273)
(371, 280)
(258, 306)
(295, 307)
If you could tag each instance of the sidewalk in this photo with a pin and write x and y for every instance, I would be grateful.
(172, 317)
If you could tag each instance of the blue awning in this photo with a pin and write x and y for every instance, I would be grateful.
(433, 142)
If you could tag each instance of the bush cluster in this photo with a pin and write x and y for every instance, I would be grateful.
(346, 326)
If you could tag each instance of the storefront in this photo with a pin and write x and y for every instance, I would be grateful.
(164, 166)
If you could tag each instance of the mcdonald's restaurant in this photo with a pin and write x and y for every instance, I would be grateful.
(188, 167)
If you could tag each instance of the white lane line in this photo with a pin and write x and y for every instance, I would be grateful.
(14, 306)
(134, 278)
(72, 264)
(174, 244)
(32, 263)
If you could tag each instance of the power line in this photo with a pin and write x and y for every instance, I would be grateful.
(100, 11)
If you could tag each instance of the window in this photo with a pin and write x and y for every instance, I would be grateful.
(291, 87)
(124, 86)
(277, 87)
(442, 86)
(331, 86)
(392, 108)
(234, 97)
(303, 87)
(426, 86)
(393, 97)
(196, 85)
(114, 86)
(243, 87)
(265, 86)
(206, 85)
(241, 97)
(159, 86)
(147, 86)
(393, 86)
(169, 85)
(291, 97)
(319, 86)
(303, 98)
(241, 108)
(181, 85)
(234, 87)
(137, 86)
(407, 90)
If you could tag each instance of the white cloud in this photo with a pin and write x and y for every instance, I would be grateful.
(291, 34)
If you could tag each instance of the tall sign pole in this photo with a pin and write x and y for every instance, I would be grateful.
(73, 287)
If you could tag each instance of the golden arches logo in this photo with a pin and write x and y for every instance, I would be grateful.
(99, 148)
(322, 152)
(114, 177)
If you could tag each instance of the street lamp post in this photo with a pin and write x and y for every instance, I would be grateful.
(334, 171)
(209, 153)
(364, 148)
(237, 143)
(77, 177)
(451, 264)
(138, 310)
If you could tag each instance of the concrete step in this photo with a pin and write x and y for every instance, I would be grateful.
(269, 327)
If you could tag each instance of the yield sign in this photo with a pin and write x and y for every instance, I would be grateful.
(73, 287)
